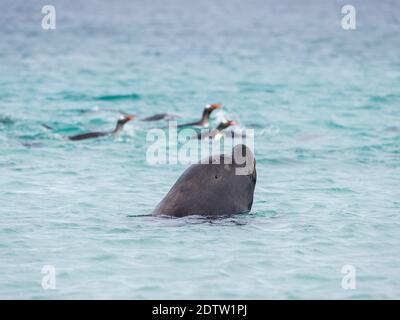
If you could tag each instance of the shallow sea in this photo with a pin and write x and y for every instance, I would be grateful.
(325, 106)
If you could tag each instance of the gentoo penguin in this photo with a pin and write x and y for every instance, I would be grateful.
(217, 132)
(203, 122)
(89, 135)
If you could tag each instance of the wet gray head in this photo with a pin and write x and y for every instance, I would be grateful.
(224, 186)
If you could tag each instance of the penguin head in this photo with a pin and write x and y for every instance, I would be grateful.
(125, 119)
(226, 123)
(212, 107)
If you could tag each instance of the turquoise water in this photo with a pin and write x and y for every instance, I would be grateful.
(325, 106)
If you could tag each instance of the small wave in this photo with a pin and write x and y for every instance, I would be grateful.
(383, 98)
(369, 107)
(6, 120)
(276, 161)
(132, 96)
(84, 97)
(335, 124)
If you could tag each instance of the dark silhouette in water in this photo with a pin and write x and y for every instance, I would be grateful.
(203, 122)
(32, 144)
(90, 135)
(160, 116)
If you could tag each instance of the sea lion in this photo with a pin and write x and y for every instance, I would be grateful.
(223, 186)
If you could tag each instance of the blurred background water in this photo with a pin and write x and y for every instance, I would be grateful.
(325, 106)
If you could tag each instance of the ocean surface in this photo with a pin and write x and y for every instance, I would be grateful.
(325, 106)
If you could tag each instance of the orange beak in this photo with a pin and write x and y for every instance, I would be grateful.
(232, 123)
(216, 106)
(129, 118)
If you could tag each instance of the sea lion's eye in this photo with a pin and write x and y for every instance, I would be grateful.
(216, 177)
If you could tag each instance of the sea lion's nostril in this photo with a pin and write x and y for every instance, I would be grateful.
(216, 177)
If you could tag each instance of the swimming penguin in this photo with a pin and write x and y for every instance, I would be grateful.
(217, 132)
(83, 136)
(203, 122)
(161, 116)
(120, 124)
